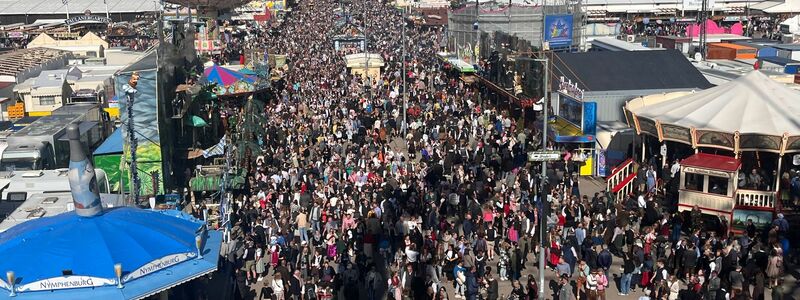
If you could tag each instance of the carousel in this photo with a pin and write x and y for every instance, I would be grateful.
(735, 143)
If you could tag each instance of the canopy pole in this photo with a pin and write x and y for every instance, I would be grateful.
(778, 175)
(644, 138)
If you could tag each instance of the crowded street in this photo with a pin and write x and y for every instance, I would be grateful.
(398, 150)
(347, 200)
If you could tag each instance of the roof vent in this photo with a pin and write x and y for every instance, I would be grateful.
(50, 200)
(35, 213)
(32, 174)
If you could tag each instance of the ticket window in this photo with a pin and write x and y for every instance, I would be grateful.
(708, 184)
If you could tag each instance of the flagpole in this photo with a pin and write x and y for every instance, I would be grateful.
(66, 4)
(108, 16)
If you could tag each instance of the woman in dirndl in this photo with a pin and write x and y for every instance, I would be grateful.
(275, 254)
(261, 262)
(331, 245)
(555, 250)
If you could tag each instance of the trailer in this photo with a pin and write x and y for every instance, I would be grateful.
(42, 145)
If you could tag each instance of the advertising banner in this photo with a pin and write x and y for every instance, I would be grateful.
(145, 111)
(571, 110)
(589, 118)
(602, 170)
(558, 30)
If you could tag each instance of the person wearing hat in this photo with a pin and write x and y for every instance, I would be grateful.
(565, 289)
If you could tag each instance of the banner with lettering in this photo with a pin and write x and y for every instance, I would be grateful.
(158, 265)
(65, 282)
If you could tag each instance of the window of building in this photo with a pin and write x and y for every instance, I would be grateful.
(718, 185)
(694, 182)
(47, 100)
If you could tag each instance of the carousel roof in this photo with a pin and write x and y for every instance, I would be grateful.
(752, 103)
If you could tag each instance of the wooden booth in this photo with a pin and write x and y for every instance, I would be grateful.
(710, 182)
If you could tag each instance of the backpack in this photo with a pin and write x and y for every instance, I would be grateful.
(480, 245)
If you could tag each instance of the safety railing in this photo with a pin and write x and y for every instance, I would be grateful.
(755, 198)
(621, 181)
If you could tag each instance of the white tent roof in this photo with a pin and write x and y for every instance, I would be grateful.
(752, 103)
(787, 6)
(793, 23)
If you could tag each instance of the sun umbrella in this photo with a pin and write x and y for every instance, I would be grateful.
(155, 251)
(225, 77)
(196, 121)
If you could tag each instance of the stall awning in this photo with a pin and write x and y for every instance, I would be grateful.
(112, 144)
(212, 182)
(564, 132)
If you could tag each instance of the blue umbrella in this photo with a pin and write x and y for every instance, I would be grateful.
(71, 257)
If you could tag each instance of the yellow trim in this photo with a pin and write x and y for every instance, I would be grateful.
(112, 111)
(39, 113)
(564, 128)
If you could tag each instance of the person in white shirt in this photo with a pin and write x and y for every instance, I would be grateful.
(676, 167)
(278, 287)
(411, 253)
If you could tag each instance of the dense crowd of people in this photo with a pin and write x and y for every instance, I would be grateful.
(348, 201)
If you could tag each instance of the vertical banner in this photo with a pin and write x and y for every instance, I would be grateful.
(145, 123)
(601, 163)
(589, 118)
(558, 30)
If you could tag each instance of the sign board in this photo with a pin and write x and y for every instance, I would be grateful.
(589, 118)
(87, 18)
(65, 282)
(706, 172)
(664, 150)
(544, 155)
(558, 30)
(158, 265)
(796, 160)
(697, 4)
(569, 88)
(571, 110)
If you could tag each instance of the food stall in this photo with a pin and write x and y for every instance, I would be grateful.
(709, 182)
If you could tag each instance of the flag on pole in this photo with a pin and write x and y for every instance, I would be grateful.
(215, 150)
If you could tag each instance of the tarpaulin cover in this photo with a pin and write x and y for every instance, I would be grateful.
(91, 246)
(113, 144)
